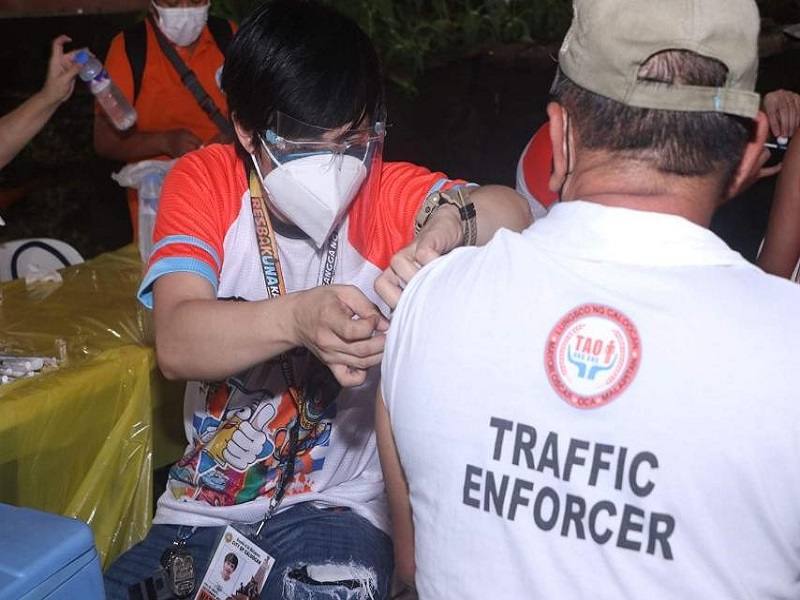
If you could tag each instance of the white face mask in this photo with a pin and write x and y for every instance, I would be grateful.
(313, 192)
(182, 25)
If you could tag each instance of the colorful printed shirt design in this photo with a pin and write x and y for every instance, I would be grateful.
(242, 443)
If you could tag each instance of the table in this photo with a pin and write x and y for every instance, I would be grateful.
(82, 439)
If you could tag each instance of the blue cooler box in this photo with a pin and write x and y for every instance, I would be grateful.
(43, 555)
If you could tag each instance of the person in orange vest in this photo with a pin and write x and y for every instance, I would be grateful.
(172, 120)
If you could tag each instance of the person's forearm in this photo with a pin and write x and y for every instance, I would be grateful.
(19, 127)
(131, 146)
(781, 249)
(209, 339)
(498, 207)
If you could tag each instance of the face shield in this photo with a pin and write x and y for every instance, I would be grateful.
(291, 139)
(317, 172)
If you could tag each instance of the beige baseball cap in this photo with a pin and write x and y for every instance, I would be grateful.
(610, 39)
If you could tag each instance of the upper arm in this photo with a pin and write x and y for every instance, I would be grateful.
(171, 292)
(172, 289)
(397, 494)
(200, 199)
(500, 206)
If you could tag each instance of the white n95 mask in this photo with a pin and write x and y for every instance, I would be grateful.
(314, 191)
(182, 25)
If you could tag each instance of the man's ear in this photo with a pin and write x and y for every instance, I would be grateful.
(753, 158)
(244, 136)
(558, 138)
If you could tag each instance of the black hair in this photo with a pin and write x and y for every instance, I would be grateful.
(674, 142)
(305, 60)
(231, 558)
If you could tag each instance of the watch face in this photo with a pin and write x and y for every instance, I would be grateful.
(429, 206)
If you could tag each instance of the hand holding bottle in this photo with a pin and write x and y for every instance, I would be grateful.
(61, 72)
(19, 126)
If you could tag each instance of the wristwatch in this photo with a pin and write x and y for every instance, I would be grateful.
(458, 197)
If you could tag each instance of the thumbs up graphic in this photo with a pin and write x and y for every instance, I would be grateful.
(242, 442)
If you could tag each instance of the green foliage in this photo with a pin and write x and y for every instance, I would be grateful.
(408, 34)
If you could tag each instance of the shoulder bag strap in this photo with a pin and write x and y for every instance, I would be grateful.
(136, 50)
(190, 80)
(221, 31)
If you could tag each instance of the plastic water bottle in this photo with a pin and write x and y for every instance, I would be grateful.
(149, 192)
(113, 101)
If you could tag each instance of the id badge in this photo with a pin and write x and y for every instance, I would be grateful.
(238, 567)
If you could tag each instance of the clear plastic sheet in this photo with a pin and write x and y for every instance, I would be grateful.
(82, 438)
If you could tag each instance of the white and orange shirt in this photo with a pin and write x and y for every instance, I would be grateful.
(205, 226)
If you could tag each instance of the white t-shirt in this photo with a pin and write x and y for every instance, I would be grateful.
(603, 406)
(239, 431)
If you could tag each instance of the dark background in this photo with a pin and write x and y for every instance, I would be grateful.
(471, 116)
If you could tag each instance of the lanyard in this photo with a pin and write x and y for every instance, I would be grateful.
(270, 261)
(267, 248)
(273, 278)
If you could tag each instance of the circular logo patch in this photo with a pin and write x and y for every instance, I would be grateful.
(592, 355)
